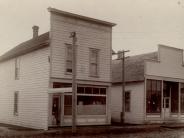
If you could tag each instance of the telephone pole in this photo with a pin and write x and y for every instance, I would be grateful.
(74, 85)
(121, 55)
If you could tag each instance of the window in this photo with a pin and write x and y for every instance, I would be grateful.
(68, 58)
(16, 103)
(17, 68)
(127, 101)
(182, 97)
(93, 62)
(91, 101)
(68, 105)
(153, 96)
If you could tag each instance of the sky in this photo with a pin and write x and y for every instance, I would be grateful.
(141, 24)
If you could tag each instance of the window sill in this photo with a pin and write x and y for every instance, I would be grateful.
(68, 73)
(94, 76)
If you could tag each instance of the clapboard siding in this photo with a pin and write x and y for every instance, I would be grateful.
(32, 87)
(136, 114)
(89, 35)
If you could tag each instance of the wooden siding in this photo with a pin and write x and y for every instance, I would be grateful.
(32, 87)
(136, 114)
(170, 64)
(89, 35)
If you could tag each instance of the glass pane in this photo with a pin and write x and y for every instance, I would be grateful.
(91, 105)
(96, 91)
(69, 52)
(102, 90)
(94, 55)
(67, 105)
(88, 90)
(80, 90)
(69, 66)
(93, 69)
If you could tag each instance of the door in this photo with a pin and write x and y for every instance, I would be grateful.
(56, 110)
(166, 107)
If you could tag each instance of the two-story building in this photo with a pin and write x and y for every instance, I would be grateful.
(154, 91)
(36, 76)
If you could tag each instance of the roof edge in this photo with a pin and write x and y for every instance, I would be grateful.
(80, 17)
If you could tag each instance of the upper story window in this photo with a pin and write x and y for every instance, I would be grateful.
(94, 55)
(17, 69)
(68, 58)
(127, 101)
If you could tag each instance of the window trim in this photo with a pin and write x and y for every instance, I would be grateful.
(16, 104)
(90, 62)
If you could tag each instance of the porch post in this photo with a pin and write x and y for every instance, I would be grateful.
(179, 99)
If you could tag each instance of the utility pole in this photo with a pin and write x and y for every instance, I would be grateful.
(122, 57)
(74, 85)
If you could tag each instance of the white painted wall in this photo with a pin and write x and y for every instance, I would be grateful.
(170, 63)
(136, 114)
(32, 87)
(89, 35)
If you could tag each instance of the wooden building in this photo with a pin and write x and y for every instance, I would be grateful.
(35, 76)
(154, 87)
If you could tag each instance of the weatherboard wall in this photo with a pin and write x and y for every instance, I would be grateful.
(89, 35)
(136, 114)
(32, 88)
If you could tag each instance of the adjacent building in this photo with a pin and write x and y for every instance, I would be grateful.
(36, 76)
(154, 90)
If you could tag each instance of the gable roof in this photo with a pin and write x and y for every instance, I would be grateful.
(27, 46)
(134, 68)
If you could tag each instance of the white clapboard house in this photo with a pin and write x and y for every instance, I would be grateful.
(154, 90)
(36, 76)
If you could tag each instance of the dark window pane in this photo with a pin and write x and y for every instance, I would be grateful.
(102, 90)
(67, 105)
(96, 91)
(88, 90)
(80, 90)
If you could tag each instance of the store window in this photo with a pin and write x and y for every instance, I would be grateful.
(153, 96)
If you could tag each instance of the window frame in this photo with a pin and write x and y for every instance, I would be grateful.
(129, 104)
(67, 59)
(93, 63)
(154, 92)
(16, 103)
(17, 68)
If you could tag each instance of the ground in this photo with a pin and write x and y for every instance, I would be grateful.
(126, 131)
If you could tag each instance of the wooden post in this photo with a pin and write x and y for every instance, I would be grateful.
(74, 88)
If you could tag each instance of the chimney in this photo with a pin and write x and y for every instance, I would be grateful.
(120, 54)
(35, 31)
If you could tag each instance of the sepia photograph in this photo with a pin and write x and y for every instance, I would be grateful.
(91, 69)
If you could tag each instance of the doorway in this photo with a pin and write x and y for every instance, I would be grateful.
(56, 110)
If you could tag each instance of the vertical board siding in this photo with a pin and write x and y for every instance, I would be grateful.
(89, 35)
(136, 114)
(32, 87)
